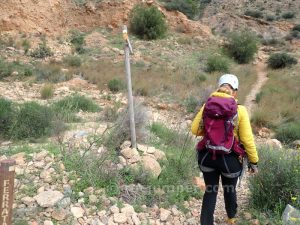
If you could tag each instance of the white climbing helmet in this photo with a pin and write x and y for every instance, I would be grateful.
(229, 79)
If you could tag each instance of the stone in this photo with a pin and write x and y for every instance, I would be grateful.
(274, 143)
(48, 198)
(134, 159)
(291, 216)
(19, 171)
(255, 222)
(122, 160)
(93, 199)
(128, 210)
(59, 214)
(41, 155)
(129, 153)
(28, 201)
(126, 144)
(48, 222)
(296, 144)
(64, 203)
(160, 155)
(164, 214)
(114, 209)
(120, 218)
(151, 165)
(151, 150)
(135, 219)
(19, 158)
(247, 216)
(77, 212)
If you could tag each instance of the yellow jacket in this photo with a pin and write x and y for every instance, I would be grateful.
(242, 131)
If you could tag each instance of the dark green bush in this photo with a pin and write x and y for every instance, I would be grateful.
(254, 13)
(288, 15)
(188, 7)
(288, 132)
(190, 104)
(281, 60)
(115, 85)
(32, 121)
(47, 91)
(147, 22)
(6, 69)
(217, 63)
(270, 18)
(73, 61)
(278, 181)
(75, 103)
(296, 27)
(242, 46)
(26, 46)
(7, 114)
(77, 39)
(42, 51)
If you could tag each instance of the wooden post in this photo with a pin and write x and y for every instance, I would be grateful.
(128, 50)
(7, 177)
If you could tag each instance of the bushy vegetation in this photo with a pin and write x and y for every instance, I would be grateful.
(191, 104)
(288, 132)
(254, 13)
(288, 15)
(7, 68)
(42, 51)
(115, 85)
(278, 182)
(73, 61)
(75, 103)
(47, 91)
(217, 63)
(188, 7)
(281, 60)
(77, 39)
(32, 121)
(26, 46)
(147, 22)
(7, 114)
(242, 46)
(270, 18)
(50, 73)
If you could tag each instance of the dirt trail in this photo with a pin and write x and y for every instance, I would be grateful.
(262, 78)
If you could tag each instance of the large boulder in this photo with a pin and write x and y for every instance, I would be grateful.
(274, 143)
(48, 198)
(151, 165)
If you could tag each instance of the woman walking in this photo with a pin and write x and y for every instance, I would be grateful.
(227, 138)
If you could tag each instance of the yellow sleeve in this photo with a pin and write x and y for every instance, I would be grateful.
(246, 135)
(197, 128)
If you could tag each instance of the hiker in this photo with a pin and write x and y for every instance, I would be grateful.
(227, 138)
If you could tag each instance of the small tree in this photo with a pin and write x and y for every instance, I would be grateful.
(281, 60)
(242, 46)
(147, 22)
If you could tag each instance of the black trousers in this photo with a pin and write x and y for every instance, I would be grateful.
(228, 168)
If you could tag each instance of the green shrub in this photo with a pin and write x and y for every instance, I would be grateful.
(32, 121)
(49, 73)
(191, 104)
(115, 85)
(296, 27)
(147, 22)
(278, 181)
(6, 69)
(26, 46)
(217, 63)
(42, 51)
(270, 18)
(188, 7)
(242, 46)
(295, 34)
(75, 103)
(77, 39)
(288, 132)
(7, 114)
(260, 119)
(254, 13)
(288, 15)
(73, 61)
(281, 60)
(47, 91)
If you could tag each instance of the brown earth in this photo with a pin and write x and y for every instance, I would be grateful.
(55, 17)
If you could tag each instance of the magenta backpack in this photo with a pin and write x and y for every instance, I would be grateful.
(218, 119)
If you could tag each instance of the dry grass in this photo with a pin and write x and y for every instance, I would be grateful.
(280, 99)
(170, 84)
